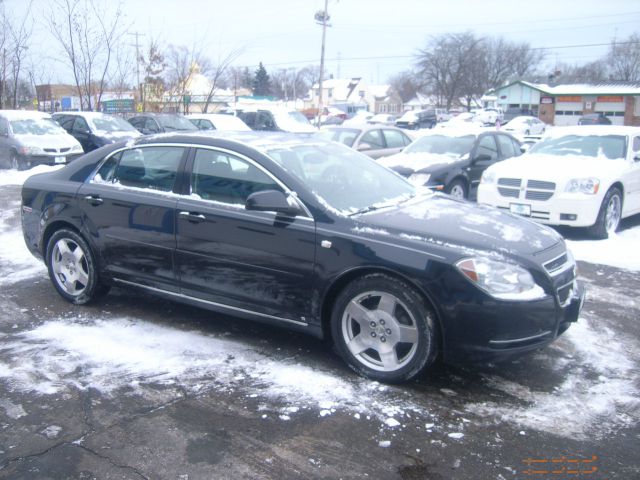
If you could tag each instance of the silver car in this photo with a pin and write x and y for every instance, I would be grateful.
(30, 138)
(375, 141)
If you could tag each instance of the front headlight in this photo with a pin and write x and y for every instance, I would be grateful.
(583, 185)
(501, 280)
(419, 179)
(31, 151)
(488, 177)
(77, 148)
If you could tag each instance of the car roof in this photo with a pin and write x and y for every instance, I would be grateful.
(23, 114)
(584, 130)
(364, 127)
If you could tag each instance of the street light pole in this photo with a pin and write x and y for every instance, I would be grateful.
(324, 18)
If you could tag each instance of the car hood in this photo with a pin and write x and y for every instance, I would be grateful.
(556, 168)
(61, 140)
(408, 163)
(467, 228)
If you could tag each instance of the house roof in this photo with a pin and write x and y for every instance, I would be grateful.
(605, 88)
(343, 88)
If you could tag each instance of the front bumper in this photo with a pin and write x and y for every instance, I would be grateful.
(570, 209)
(49, 159)
(502, 330)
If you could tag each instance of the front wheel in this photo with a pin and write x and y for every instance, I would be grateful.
(609, 215)
(14, 162)
(382, 328)
(458, 189)
(72, 268)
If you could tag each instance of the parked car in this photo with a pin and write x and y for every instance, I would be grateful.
(576, 176)
(308, 234)
(452, 160)
(94, 129)
(31, 138)
(276, 120)
(383, 119)
(150, 123)
(489, 116)
(415, 119)
(332, 116)
(594, 119)
(513, 112)
(361, 117)
(373, 140)
(525, 126)
(218, 121)
(462, 120)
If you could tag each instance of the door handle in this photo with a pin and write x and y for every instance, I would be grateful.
(94, 200)
(193, 217)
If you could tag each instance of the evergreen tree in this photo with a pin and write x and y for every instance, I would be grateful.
(261, 82)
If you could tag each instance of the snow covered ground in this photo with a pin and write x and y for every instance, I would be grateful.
(597, 391)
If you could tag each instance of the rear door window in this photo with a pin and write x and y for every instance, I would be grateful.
(506, 146)
(373, 138)
(487, 146)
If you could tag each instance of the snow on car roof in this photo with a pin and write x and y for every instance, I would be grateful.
(585, 130)
(23, 114)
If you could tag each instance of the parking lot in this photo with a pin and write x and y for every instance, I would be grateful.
(136, 387)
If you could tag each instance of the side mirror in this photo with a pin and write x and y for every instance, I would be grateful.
(272, 201)
(364, 146)
(636, 157)
(483, 157)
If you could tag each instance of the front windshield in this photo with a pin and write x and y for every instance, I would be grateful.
(36, 126)
(340, 135)
(111, 124)
(342, 178)
(597, 146)
(175, 122)
(442, 144)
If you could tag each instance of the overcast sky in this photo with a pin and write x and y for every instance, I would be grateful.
(370, 38)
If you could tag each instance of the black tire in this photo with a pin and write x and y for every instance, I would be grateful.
(527, 132)
(14, 162)
(72, 268)
(609, 215)
(363, 341)
(458, 189)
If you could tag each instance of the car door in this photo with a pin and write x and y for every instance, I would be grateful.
(632, 183)
(81, 132)
(129, 210)
(248, 260)
(5, 159)
(372, 143)
(483, 156)
(395, 141)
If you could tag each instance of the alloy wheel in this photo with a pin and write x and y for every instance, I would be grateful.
(70, 268)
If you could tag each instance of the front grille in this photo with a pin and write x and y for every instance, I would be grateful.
(564, 294)
(536, 195)
(51, 150)
(510, 182)
(62, 150)
(535, 189)
(556, 264)
(509, 192)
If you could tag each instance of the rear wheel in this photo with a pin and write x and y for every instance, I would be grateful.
(383, 329)
(609, 215)
(458, 189)
(72, 268)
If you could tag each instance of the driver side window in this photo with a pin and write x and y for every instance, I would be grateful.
(487, 146)
(373, 138)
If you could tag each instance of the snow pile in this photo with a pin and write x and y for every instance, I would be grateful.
(584, 405)
(16, 177)
(620, 250)
(124, 353)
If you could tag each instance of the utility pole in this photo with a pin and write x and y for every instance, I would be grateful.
(137, 45)
(322, 18)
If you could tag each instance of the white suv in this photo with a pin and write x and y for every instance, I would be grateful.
(576, 176)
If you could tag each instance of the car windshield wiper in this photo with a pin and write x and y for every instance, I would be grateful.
(378, 206)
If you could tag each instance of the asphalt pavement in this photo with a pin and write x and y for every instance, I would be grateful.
(135, 387)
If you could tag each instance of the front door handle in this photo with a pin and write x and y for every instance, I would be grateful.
(193, 217)
(94, 200)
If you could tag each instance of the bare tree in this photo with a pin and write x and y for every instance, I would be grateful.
(218, 71)
(182, 62)
(406, 84)
(87, 31)
(20, 36)
(624, 59)
(463, 65)
(120, 75)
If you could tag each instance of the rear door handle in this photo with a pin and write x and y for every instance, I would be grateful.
(94, 200)
(193, 217)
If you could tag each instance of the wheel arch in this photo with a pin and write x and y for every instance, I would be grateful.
(349, 276)
(52, 228)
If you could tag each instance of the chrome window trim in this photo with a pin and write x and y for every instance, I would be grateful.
(307, 214)
(286, 189)
(208, 302)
